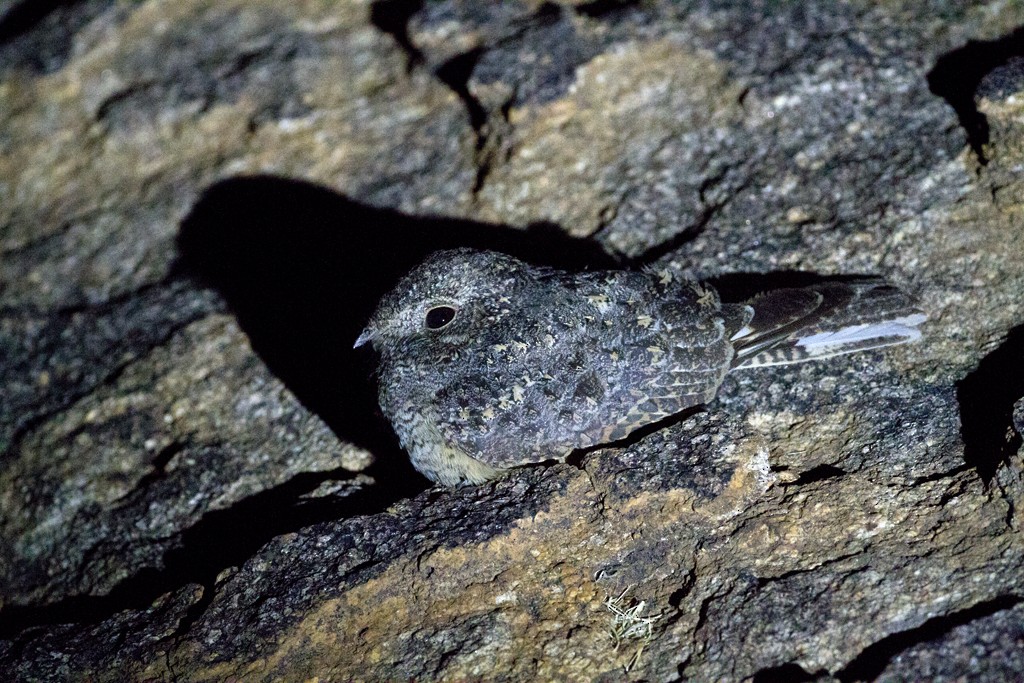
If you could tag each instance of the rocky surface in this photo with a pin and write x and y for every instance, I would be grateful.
(201, 202)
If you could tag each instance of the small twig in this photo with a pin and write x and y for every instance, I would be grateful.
(628, 623)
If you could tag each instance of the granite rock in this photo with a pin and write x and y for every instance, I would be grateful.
(200, 203)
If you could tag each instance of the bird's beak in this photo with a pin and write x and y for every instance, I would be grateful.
(369, 334)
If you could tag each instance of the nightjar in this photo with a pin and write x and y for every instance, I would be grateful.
(487, 362)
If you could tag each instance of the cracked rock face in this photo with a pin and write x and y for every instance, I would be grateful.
(201, 202)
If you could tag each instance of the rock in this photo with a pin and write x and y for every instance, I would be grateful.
(201, 203)
(107, 155)
(140, 461)
(985, 646)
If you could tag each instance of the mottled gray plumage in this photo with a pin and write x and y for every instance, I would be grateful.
(527, 363)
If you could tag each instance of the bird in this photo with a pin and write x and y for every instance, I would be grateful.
(486, 362)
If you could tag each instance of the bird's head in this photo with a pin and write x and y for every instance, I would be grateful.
(438, 301)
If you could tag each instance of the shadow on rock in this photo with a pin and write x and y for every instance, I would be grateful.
(21, 17)
(303, 267)
(957, 75)
(738, 287)
(986, 398)
(221, 539)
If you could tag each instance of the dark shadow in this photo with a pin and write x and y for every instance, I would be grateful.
(677, 241)
(738, 287)
(23, 16)
(816, 474)
(392, 17)
(675, 599)
(786, 673)
(957, 74)
(220, 539)
(455, 73)
(303, 267)
(577, 457)
(873, 659)
(37, 35)
(986, 397)
(599, 9)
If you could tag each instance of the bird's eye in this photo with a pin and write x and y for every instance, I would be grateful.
(439, 316)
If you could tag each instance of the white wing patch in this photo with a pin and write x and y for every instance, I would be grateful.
(904, 328)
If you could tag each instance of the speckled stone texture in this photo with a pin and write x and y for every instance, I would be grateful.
(201, 202)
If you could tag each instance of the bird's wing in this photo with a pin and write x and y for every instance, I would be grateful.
(593, 357)
(678, 353)
(826, 319)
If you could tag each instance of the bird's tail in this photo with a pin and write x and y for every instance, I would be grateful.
(794, 325)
